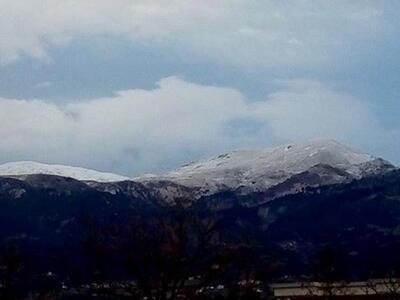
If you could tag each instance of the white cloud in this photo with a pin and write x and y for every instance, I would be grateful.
(306, 109)
(240, 32)
(148, 130)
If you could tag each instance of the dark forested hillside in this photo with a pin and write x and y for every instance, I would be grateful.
(81, 233)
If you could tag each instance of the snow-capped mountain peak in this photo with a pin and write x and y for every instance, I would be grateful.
(289, 158)
(30, 167)
(263, 168)
(247, 170)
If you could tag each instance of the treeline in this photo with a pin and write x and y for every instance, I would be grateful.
(174, 253)
(170, 253)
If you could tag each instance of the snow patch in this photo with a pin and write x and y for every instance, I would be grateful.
(261, 169)
(30, 167)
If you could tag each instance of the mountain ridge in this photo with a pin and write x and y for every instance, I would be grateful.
(260, 170)
(23, 168)
(290, 166)
(52, 216)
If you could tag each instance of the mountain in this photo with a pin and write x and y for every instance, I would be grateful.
(260, 170)
(290, 202)
(278, 171)
(359, 219)
(29, 168)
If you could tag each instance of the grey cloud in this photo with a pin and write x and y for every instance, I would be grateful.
(244, 33)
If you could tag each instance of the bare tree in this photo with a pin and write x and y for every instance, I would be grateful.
(171, 254)
(327, 278)
(387, 275)
(386, 288)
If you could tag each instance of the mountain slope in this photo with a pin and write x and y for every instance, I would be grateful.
(51, 217)
(259, 170)
(29, 168)
(281, 170)
(316, 195)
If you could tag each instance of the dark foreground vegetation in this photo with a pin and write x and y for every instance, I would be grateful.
(63, 239)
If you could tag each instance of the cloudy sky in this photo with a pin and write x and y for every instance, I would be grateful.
(137, 86)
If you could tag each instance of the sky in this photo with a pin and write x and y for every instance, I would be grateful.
(143, 86)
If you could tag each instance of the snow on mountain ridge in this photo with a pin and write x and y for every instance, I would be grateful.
(30, 167)
(264, 168)
(287, 157)
(257, 170)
